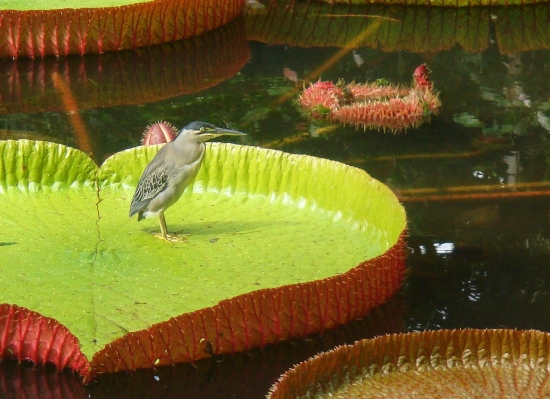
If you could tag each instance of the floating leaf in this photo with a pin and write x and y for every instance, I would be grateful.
(281, 246)
(433, 364)
(395, 28)
(445, 3)
(74, 30)
(522, 28)
(392, 28)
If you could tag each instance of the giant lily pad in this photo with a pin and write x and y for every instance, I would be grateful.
(394, 28)
(433, 364)
(281, 245)
(447, 3)
(65, 27)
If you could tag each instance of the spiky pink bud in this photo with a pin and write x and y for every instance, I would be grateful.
(420, 77)
(159, 133)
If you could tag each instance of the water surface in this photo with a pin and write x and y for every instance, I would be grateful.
(474, 180)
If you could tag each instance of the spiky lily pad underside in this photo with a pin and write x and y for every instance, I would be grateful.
(27, 335)
(231, 376)
(281, 246)
(435, 364)
(100, 29)
(126, 77)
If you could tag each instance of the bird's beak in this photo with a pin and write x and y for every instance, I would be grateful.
(228, 132)
(217, 132)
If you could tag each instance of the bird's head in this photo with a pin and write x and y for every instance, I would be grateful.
(205, 131)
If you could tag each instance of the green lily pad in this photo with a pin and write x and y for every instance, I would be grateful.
(60, 4)
(258, 220)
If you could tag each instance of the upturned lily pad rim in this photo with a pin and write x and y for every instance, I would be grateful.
(272, 314)
(60, 32)
(411, 355)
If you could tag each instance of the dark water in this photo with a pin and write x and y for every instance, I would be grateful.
(474, 180)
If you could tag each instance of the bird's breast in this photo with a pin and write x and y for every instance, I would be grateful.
(186, 173)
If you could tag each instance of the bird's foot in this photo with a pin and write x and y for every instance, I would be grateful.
(172, 237)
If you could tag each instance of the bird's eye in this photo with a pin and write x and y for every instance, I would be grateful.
(202, 129)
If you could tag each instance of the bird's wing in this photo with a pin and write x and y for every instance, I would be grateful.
(152, 182)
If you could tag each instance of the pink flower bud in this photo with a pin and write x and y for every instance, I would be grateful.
(159, 133)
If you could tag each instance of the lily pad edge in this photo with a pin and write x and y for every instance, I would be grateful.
(363, 287)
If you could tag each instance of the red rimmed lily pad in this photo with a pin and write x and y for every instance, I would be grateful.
(432, 364)
(84, 27)
(281, 246)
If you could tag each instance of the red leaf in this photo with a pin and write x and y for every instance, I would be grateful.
(96, 30)
(27, 335)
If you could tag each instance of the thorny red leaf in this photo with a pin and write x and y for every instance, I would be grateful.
(97, 30)
(27, 335)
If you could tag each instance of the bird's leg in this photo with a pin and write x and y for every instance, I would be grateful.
(164, 231)
(162, 222)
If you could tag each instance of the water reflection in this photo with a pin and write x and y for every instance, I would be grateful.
(121, 78)
(47, 98)
(496, 276)
(26, 381)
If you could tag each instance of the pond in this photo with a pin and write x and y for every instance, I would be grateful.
(474, 179)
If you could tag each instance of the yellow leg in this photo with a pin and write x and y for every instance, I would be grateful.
(164, 231)
(162, 222)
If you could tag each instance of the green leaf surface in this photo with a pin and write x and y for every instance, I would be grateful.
(24, 5)
(256, 218)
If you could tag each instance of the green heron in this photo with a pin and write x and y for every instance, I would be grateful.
(171, 170)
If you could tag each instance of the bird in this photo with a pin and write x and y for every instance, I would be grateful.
(172, 169)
